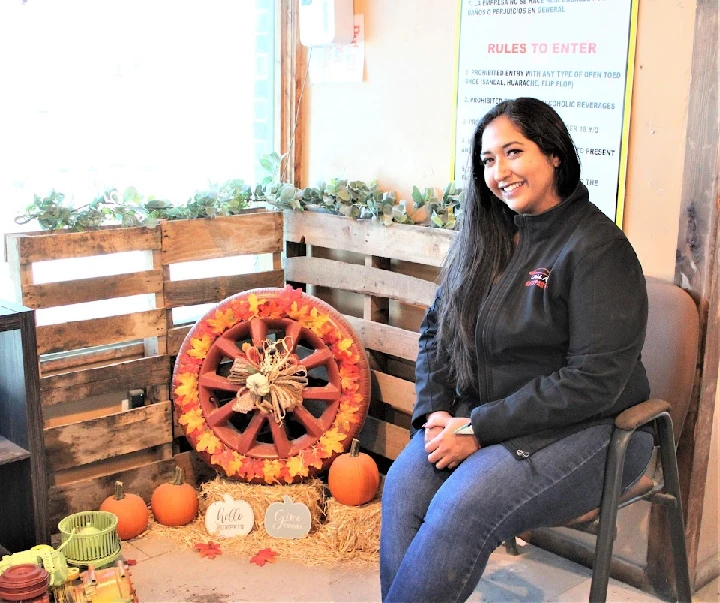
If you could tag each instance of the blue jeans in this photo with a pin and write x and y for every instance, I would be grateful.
(439, 527)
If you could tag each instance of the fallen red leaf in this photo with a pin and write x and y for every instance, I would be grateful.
(210, 550)
(264, 556)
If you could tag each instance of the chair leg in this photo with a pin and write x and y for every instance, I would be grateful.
(675, 515)
(608, 514)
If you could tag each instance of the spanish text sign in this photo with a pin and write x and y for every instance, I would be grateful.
(575, 55)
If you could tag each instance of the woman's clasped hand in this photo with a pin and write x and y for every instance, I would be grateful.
(445, 448)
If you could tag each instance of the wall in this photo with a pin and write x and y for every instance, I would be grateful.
(396, 127)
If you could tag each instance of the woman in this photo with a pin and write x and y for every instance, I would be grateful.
(530, 349)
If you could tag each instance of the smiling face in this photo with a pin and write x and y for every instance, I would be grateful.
(516, 170)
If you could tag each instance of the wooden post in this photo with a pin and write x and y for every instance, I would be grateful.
(293, 80)
(696, 271)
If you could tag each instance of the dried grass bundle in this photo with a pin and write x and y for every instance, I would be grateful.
(352, 532)
(338, 533)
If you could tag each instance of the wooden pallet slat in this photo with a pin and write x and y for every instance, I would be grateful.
(360, 279)
(395, 392)
(49, 295)
(120, 433)
(123, 376)
(383, 438)
(175, 338)
(215, 289)
(45, 246)
(385, 338)
(203, 239)
(100, 331)
(417, 244)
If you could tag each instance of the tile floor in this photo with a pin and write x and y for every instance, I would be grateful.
(165, 574)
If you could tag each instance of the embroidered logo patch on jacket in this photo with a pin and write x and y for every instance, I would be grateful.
(538, 278)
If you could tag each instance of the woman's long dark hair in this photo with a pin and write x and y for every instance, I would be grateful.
(484, 245)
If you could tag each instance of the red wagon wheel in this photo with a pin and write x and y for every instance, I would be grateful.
(252, 444)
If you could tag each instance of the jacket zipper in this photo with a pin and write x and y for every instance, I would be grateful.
(497, 293)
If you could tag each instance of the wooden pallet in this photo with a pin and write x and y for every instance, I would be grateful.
(97, 358)
(382, 265)
(89, 444)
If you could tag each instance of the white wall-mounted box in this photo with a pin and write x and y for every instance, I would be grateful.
(325, 22)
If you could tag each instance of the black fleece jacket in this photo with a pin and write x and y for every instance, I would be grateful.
(558, 338)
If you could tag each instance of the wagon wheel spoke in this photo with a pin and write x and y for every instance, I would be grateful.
(228, 348)
(312, 425)
(247, 438)
(221, 416)
(258, 331)
(328, 392)
(214, 381)
(317, 358)
(293, 330)
(280, 439)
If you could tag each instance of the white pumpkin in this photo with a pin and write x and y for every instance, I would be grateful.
(287, 519)
(229, 517)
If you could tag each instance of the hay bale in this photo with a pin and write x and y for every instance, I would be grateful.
(260, 497)
(352, 531)
(338, 533)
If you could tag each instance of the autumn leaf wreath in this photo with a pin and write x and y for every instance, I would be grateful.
(256, 383)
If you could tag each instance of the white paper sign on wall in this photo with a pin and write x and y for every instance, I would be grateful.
(287, 519)
(229, 517)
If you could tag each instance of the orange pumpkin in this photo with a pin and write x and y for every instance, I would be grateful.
(353, 478)
(174, 503)
(131, 511)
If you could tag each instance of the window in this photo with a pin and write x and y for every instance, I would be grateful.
(162, 95)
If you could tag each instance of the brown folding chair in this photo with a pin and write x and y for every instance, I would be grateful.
(670, 358)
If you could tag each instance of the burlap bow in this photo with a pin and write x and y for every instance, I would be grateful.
(271, 377)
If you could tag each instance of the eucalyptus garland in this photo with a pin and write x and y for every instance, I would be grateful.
(354, 199)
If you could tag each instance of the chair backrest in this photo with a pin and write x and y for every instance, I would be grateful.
(671, 347)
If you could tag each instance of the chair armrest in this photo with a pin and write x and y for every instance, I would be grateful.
(640, 414)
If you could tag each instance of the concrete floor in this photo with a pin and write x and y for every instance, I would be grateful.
(166, 574)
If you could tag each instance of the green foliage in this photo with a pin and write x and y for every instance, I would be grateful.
(447, 212)
(271, 163)
(417, 212)
(227, 199)
(53, 213)
(132, 209)
(354, 199)
(50, 212)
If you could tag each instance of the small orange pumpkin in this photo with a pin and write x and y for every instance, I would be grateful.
(174, 503)
(353, 478)
(131, 511)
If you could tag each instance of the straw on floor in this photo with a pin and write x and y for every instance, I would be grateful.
(338, 533)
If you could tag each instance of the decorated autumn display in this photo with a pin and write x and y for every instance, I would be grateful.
(174, 503)
(353, 478)
(130, 509)
(295, 395)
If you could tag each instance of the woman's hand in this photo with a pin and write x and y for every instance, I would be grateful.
(445, 449)
(434, 423)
